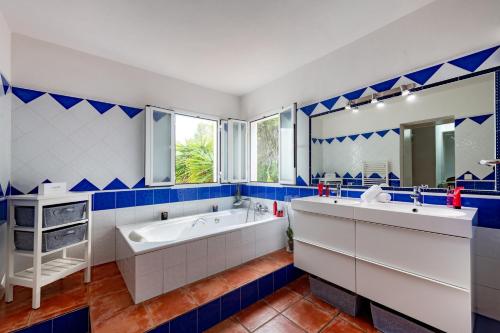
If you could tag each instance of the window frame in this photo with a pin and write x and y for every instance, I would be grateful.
(261, 119)
(149, 140)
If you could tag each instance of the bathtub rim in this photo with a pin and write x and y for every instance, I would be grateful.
(147, 247)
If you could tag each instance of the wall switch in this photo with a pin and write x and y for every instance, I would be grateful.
(468, 176)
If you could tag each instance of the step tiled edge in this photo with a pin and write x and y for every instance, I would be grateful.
(76, 321)
(211, 313)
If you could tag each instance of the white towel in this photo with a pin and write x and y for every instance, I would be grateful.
(383, 197)
(371, 193)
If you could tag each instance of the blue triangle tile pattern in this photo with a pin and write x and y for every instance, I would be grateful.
(355, 94)
(393, 176)
(359, 176)
(11, 190)
(140, 184)
(329, 140)
(159, 115)
(382, 133)
(396, 130)
(341, 138)
(367, 135)
(337, 175)
(320, 141)
(26, 95)
(300, 181)
(309, 109)
(329, 103)
(1, 191)
(314, 140)
(347, 175)
(473, 61)
(459, 121)
(100, 107)
(423, 75)
(480, 119)
(5, 84)
(386, 85)
(130, 111)
(116, 184)
(491, 176)
(84, 185)
(66, 101)
(462, 177)
(353, 137)
(375, 176)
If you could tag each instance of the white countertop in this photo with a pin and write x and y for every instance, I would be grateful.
(432, 218)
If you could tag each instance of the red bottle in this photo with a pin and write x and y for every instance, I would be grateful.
(275, 208)
(320, 189)
(457, 198)
(327, 190)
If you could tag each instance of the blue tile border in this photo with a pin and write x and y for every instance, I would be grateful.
(221, 308)
(77, 321)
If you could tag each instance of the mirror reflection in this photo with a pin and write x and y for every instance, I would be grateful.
(434, 136)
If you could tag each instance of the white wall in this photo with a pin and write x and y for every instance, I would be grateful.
(5, 133)
(438, 31)
(49, 67)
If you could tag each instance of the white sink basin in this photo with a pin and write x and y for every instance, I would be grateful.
(424, 210)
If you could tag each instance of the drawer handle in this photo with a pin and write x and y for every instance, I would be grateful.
(69, 210)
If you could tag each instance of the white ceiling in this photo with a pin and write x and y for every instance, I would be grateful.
(234, 46)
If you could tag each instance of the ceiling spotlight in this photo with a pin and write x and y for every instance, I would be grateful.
(380, 104)
(355, 109)
(405, 91)
(348, 106)
(374, 99)
(410, 97)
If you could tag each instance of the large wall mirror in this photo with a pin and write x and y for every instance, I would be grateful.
(435, 136)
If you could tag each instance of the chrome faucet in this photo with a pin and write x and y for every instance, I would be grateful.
(417, 194)
(198, 220)
(338, 190)
(260, 208)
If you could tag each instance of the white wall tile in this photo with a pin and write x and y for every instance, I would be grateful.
(487, 301)
(216, 260)
(486, 242)
(103, 236)
(144, 214)
(175, 255)
(174, 277)
(487, 272)
(196, 270)
(148, 286)
(197, 249)
(125, 216)
(149, 262)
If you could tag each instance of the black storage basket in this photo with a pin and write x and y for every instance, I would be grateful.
(53, 215)
(51, 240)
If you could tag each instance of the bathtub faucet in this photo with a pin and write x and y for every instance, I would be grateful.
(260, 208)
(198, 220)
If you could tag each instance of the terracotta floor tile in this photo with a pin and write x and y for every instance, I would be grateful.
(362, 322)
(106, 286)
(339, 325)
(15, 315)
(105, 307)
(228, 326)
(256, 315)
(134, 319)
(281, 257)
(322, 304)
(104, 271)
(239, 276)
(301, 285)
(308, 316)
(207, 289)
(263, 266)
(59, 304)
(170, 305)
(280, 324)
(282, 299)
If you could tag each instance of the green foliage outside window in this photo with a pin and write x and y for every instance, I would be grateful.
(195, 157)
(268, 150)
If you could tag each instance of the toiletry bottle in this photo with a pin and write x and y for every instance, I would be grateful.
(457, 198)
(275, 208)
(320, 189)
(327, 190)
(449, 197)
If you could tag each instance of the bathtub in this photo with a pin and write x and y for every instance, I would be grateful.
(158, 256)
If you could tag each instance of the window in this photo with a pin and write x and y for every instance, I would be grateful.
(180, 149)
(195, 150)
(265, 149)
(234, 151)
(272, 140)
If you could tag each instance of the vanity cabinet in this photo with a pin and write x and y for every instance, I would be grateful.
(423, 274)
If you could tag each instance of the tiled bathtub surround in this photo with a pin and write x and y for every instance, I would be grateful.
(160, 271)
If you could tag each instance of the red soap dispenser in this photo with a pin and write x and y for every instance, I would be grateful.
(457, 198)
(320, 189)
(275, 208)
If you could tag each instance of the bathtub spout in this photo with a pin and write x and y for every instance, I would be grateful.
(198, 220)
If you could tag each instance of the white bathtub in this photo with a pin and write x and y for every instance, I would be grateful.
(159, 256)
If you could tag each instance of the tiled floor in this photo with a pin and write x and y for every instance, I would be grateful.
(293, 309)
(289, 309)
(112, 309)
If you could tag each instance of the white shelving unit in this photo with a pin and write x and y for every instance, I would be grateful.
(44, 272)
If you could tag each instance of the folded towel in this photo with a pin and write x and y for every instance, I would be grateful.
(371, 193)
(383, 197)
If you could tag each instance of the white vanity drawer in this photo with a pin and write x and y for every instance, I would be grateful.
(328, 231)
(439, 257)
(443, 306)
(329, 265)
